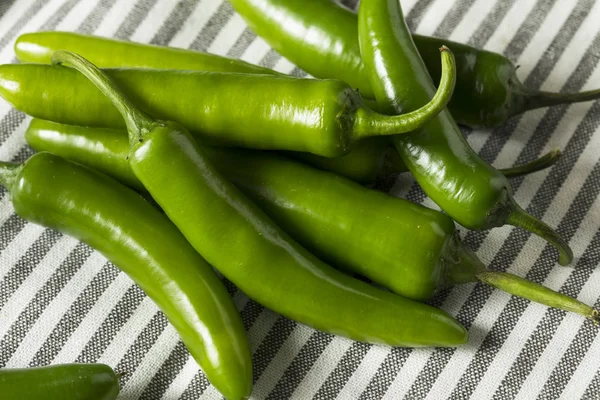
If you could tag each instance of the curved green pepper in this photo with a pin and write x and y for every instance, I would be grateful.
(410, 249)
(251, 251)
(323, 117)
(322, 38)
(141, 241)
(59, 382)
(468, 189)
(367, 161)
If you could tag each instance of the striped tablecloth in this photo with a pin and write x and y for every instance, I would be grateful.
(62, 302)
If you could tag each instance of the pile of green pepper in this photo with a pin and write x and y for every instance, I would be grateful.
(292, 228)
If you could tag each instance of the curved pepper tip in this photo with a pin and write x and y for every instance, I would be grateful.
(444, 48)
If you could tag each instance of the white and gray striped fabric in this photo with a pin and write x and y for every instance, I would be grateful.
(62, 302)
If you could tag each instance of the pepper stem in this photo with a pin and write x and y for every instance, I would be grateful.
(518, 286)
(369, 123)
(546, 161)
(464, 266)
(138, 123)
(8, 173)
(535, 99)
(520, 218)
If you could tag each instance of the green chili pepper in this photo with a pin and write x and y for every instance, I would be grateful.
(468, 189)
(251, 251)
(321, 37)
(60, 382)
(367, 161)
(322, 117)
(141, 241)
(405, 247)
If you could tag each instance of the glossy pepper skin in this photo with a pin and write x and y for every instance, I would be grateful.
(323, 117)
(321, 37)
(59, 382)
(236, 237)
(410, 249)
(141, 241)
(468, 189)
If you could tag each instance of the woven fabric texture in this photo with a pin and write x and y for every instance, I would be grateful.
(62, 302)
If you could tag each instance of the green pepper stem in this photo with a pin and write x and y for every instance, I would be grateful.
(370, 123)
(520, 218)
(138, 123)
(8, 173)
(463, 266)
(546, 161)
(535, 292)
(535, 99)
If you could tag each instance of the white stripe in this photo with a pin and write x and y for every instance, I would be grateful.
(6, 211)
(409, 372)
(14, 13)
(362, 376)
(115, 17)
(94, 319)
(15, 142)
(472, 20)
(153, 21)
(129, 332)
(203, 12)
(284, 357)
(55, 310)
(434, 16)
(182, 380)
(509, 25)
(34, 24)
(561, 339)
(154, 359)
(323, 367)
(583, 375)
(19, 300)
(18, 247)
(284, 66)
(227, 36)
(257, 50)
(260, 328)
(76, 15)
(542, 39)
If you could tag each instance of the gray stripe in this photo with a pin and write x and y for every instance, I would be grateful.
(386, 373)
(453, 18)
(242, 43)
(270, 59)
(173, 23)
(196, 387)
(95, 18)
(167, 373)
(58, 16)
(23, 268)
(29, 315)
(5, 6)
(135, 18)
(210, 31)
(416, 14)
(117, 317)
(10, 122)
(530, 26)
(593, 390)
(269, 347)
(487, 28)
(10, 229)
(343, 371)
(73, 317)
(302, 363)
(142, 345)
(23, 19)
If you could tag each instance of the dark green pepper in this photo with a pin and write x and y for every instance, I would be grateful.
(141, 241)
(321, 37)
(323, 117)
(60, 382)
(250, 250)
(410, 249)
(469, 190)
